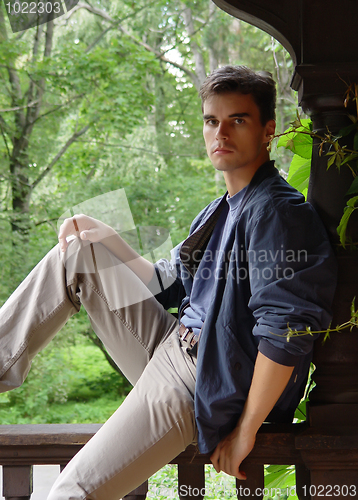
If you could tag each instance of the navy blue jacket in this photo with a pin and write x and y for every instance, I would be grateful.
(279, 270)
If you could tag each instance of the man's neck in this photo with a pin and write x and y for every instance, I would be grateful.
(236, 180)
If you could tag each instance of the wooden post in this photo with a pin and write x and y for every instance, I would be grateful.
(17, 482)
(253, 485)
(191, 481)
(139, 493)
(303, 482)
(334, 401)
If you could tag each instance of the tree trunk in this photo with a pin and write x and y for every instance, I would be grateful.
(197, 53)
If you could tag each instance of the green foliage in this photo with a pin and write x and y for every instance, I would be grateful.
(299, 173)
(70, 382)
(280, 480)
(352, 205)
(143, 114)
(279, 483)
(298, 139)
(351, 323)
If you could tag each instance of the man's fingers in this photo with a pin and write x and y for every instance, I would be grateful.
(92, 235)
(63, 244)
(241, 475)
(220, 460)
(215, 464)
(215, 458)
(232, 469)
(223, 463)
(68, 227)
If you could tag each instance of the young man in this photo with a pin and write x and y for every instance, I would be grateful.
(256, 260)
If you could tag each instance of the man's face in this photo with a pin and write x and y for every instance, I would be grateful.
(234, 136)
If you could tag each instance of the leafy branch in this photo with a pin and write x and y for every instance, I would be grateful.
(351, 323)
(299, 139)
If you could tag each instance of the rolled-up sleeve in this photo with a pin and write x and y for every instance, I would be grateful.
(292, 272)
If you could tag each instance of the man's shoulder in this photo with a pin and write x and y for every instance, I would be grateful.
(275, 203)
(278, 207)
(275, 194)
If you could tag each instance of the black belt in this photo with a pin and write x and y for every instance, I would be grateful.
(187, 337)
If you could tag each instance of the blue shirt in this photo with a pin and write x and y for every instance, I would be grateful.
(204, 280)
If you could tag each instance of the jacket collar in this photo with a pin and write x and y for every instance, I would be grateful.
(198, 240)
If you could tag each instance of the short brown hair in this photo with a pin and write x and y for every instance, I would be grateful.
(243, 80)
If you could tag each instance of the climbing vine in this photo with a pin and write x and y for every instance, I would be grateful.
(299, 139)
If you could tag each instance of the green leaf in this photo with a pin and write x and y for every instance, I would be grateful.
(349, 158)
(354, 187)
(300, 178)
(342, 228)
(355, 141)
(296, 163)
(353, 307)
(298, 140)
(302, 145)
(352, 201)
(280, 476)
(347, 130)
(331, 160)
(299, 173)
(283, 140)
(307, 124)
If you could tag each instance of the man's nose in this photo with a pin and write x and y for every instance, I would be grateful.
(222, 132)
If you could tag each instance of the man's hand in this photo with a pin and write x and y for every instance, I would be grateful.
(268, 383)
(232, 450)
(89, 229)
(84, 227)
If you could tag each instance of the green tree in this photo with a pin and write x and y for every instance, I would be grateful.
(105, 98)
(58, 89)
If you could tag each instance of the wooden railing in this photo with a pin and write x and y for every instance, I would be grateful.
(22, 446)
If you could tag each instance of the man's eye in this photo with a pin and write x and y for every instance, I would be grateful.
(239, 121)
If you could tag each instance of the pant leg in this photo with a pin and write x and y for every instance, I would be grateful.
(54, 291)
(153, 425)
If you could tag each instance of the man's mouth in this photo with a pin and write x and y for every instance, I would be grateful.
(222, 151)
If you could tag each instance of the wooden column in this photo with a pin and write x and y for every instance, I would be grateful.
(139, 493)
(17, 482)
(254, 484)
(330, 447)
(191, 481)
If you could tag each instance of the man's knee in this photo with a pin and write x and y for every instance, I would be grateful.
(80, 257)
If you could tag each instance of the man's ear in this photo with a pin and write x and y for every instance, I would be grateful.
(270, 129)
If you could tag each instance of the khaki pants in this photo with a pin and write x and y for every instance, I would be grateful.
(156, 421)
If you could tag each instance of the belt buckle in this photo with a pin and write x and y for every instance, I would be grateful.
(192, 340)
